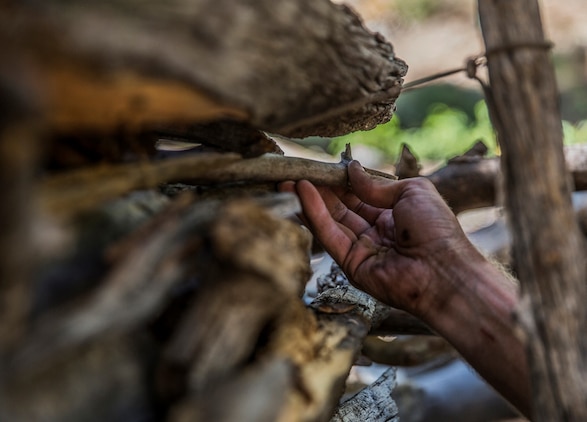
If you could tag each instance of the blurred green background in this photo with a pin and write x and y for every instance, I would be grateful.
(443, 119)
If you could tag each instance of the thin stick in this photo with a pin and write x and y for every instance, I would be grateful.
(74, 191)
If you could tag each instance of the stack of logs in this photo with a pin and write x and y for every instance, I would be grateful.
(138, 284)
(141, 284)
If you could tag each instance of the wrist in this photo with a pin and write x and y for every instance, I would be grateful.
(461, 280)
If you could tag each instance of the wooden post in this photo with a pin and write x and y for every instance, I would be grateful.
(548, 249)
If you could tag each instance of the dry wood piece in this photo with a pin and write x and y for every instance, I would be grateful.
(373, 403)
(266, 334)
(94, 338)
(470, 182)
(100, 65)
(548, 247)
(467, 184)
(18, 160)
(68, 192)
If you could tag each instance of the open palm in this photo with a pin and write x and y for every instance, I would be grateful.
(387, 236)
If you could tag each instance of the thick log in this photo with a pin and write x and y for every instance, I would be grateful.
(472, 182)
(548, 248)
(98, 66)
(467, 184)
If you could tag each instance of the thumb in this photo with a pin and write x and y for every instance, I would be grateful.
(374, 190)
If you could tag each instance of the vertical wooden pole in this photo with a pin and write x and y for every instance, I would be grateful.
(549, 250)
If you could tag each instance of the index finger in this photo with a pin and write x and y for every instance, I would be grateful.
(335, 237)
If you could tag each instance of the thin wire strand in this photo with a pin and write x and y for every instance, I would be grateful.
(470, 68)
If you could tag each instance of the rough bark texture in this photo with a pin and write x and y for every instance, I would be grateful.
(549, 250)
(472, 181)
(373, 403)
(66, 193)
(19, 153)
(140, 63)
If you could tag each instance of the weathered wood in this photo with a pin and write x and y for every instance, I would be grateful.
(127, 62)
(66, 193)
(19, 155)
(467, 184)
(220, 353)
(471, 182)
(373, 403)
(548, 248)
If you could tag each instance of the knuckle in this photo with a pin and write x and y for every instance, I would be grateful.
(422, 183)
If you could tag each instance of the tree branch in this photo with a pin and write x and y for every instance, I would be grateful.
(67, 193)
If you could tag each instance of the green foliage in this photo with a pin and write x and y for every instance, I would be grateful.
(417, 10)
(444, 133)
(575, 133)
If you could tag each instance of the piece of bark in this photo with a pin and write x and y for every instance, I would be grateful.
(373, 403)
(99, 66)
(548, 247)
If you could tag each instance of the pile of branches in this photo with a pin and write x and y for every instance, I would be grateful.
(144, 283)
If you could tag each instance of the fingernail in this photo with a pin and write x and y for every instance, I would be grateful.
(356, 163)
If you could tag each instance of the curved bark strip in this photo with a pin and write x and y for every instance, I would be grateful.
(135, 63)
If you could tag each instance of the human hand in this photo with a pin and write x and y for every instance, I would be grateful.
(391, 238)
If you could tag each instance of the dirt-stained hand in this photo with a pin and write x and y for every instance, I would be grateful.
(390, 237)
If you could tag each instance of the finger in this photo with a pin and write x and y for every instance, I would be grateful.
(367, 212)
(375, 191)
(288, 186)
(341, 213)
(336, 239)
